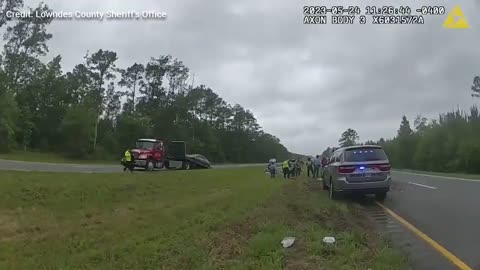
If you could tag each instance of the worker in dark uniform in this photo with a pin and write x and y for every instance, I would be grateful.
(129, 162)
(324, 164)
(291, 168)
(309, 167)
(317, 165)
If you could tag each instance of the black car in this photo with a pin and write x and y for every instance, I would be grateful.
(198, 161)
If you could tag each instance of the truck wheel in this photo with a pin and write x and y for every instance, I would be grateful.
(186, 165)
(149, 166)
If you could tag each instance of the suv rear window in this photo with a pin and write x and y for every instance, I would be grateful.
(364, 154)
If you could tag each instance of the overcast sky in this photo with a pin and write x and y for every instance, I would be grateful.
(305, 84)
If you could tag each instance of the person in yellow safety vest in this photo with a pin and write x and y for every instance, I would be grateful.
(286, 169)
(128, 161)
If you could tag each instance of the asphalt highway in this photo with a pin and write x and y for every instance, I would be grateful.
(445, 209)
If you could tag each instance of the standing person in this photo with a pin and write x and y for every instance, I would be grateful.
(285, 168)
(302, 164)
(317, 164)
(298, 167)
(291, 168)
(309, 167)
(129, 164)
(324, 162)
(272, 168)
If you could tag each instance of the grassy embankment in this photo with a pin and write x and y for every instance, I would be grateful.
(209, 219)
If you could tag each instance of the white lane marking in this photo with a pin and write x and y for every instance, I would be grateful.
(439, 176)
(420, 185)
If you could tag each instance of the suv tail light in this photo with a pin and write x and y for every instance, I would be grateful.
(384, 167)
(346, 169)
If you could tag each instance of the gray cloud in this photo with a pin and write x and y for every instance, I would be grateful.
(305, 83)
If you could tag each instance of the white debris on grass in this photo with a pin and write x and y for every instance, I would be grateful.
(288, 242)
(329, 240)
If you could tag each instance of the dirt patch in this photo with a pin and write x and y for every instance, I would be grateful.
(231, 242)
(314, 185)
(8, 226)
(123, 212)
(233, 239)
(12, 229)
(297, 257)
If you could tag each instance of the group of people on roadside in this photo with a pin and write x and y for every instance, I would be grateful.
(292, 168)
(315, 166)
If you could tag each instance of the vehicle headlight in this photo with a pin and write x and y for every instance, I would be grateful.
(142, 156)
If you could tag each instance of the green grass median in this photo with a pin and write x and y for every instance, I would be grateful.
(208, 219)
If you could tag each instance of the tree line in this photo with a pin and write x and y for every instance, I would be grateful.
(450, 143)
(98, 109)
(447, 144)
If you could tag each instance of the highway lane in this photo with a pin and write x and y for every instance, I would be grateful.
(14, 165)
(444, 209)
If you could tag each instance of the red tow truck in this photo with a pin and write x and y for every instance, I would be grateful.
(152, 154)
